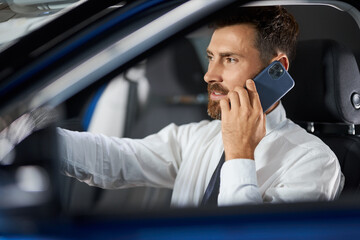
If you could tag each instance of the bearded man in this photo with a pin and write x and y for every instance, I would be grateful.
(267, 157)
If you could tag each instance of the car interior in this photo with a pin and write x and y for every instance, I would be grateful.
(167, 87)
(327, 82)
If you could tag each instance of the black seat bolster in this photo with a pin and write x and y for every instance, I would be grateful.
(348, 153)
(326, 78)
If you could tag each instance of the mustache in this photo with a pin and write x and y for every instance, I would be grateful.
(216, 87)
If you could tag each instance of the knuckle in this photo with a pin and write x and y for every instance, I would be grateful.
(257, 111)
(232, 94)
(247, 114)
(245, 111)
(238, 88)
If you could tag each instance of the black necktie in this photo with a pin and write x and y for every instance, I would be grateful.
(212, 190)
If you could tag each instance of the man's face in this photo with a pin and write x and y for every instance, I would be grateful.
(233, 59)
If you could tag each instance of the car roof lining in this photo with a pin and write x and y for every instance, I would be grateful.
(342, 6)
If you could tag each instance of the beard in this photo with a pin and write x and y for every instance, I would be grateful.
(214, 110)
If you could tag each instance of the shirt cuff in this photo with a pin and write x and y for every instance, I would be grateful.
(238, 183)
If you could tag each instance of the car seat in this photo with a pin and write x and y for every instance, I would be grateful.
(326, 101)
(177, 90)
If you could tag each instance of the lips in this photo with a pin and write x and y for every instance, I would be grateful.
(216, 96)
(217, 92)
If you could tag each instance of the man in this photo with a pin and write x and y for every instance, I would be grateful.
(268, 158)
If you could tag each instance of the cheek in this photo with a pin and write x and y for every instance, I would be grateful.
(234, 78)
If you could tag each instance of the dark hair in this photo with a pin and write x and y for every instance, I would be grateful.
(277, 29)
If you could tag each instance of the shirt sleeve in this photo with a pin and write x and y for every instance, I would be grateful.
(111, 163)
(314, 175)
(238, 184)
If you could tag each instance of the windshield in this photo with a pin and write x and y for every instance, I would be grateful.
(20, 17)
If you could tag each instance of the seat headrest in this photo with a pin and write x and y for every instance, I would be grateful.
(175, 70)
(327, 84)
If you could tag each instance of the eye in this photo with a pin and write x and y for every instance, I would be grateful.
(231, 60)
(209, 57)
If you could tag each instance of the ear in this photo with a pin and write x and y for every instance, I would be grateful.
(281, 57)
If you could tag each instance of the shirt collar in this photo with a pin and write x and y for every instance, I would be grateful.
(275, 118)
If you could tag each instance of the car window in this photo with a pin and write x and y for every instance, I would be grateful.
(19, 18)
(142, 93)
(162, 98)
(77, 43)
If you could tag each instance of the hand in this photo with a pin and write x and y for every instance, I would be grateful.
(242, 121)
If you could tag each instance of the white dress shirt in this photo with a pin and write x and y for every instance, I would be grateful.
(290, 164)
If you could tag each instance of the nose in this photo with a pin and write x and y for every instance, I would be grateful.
(213, 73)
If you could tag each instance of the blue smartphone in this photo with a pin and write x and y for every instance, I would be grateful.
(272, 84)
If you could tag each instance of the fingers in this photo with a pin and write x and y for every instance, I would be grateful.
(234, 99)
(241, 98)
(224, 106)
(253, 95)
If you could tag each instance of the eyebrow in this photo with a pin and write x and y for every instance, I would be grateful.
(224, 54)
